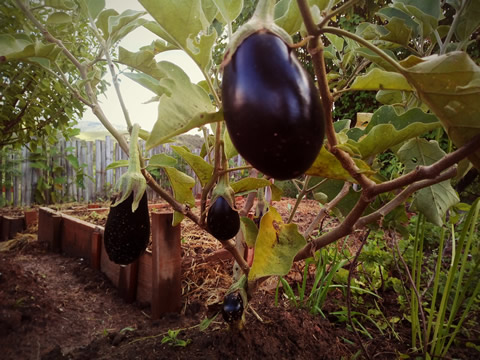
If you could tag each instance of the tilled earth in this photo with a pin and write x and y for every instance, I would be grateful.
(57, 307)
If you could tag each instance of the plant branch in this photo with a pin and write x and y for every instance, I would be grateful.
(230, 246)
(316, 49)
(326, 209)
(431, 171)
(366, 43)
(337, 11)
(185, 210)
(453, 27)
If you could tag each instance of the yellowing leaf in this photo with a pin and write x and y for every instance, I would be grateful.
(326, 165)
(249, 230)
(378, 79)
(275, 247)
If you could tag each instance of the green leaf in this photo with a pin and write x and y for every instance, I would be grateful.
(249, 230)
(184, 24)
(450, 86)
(121, 25)
(182, 185)
(117, 164)
(175, 114)
(469, 20)
(229, 148)
(20, 47)
(276, 192)
(426, 13)
(378, 79)
(147, 82)
(92, 7)
(202, 169)
(275, 247)
(331, 188)
(248, 184)
(326, 165)
(387, 129)
(230, 10)
(435, 200)
(61, 4)
(59, 18)
(102, 21)
(161, 160)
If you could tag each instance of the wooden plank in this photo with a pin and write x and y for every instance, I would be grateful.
(145, 280)
(96, 255)
(89, 180)
(109, 160)
(49, 228)
(99, 174)
(77, 237)
(127, 282)
(166, 265)
(17, 181)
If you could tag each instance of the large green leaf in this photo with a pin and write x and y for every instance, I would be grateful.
(387, 129)
(182, 185)
(450, 86)
(230, 10)
(326, 165)
(59, 18)
(469, 20)
(287, 14)
(202, 169)
(176, 114)
(248, 184)
(425, 12)
(184, 24)
(20, 47)
(377, 79)
(161, 160)
(435, 200)
(275, 247)
(92, 7)
(121, 25)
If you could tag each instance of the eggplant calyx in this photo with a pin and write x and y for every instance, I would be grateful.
(261, 21)
(132, 180)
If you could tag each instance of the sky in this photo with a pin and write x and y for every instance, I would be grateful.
(134, 94)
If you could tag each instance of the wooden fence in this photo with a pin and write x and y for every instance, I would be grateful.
(70, 171)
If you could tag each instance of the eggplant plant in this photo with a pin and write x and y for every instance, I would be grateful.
(278, 116)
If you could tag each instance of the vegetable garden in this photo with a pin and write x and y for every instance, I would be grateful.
(365, 113)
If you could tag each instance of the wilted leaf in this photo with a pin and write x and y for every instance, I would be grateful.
(275, 247)
(202, 169)
(435, 200)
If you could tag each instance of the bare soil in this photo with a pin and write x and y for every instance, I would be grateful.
(57, 307)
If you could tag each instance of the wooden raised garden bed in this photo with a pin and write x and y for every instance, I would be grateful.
(11, 224)
(154, 278)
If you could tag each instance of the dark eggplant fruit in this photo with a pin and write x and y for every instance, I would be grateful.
(272, 108)
(223, 222)
(127, 233)
(232, 309)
